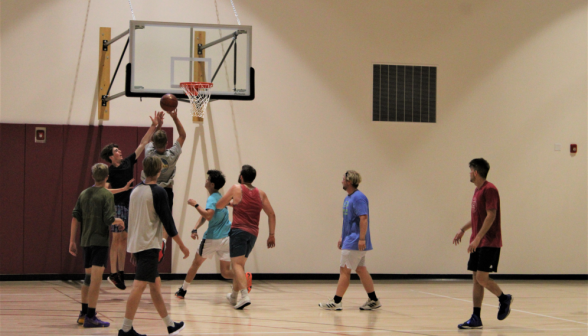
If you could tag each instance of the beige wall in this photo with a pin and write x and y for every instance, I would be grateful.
(512, 82)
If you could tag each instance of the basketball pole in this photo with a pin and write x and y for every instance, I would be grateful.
(199, 74)
(104, 74)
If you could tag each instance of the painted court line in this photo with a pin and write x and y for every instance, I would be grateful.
(517, 310)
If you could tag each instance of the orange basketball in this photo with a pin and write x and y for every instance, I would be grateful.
(168, 102)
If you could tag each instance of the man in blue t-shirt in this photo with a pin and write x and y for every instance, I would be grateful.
(216, 239)
(354, 243)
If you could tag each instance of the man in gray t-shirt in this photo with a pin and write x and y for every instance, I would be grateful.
(169, 158)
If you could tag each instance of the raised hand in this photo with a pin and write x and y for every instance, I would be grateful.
(174, 114)
(128, 185)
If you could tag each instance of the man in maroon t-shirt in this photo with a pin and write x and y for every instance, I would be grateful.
(485, 243)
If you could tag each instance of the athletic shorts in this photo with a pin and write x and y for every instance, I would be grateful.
(219, 247)
(352, 259)
(170, 197)
(241, 243)
(122, 212)
(146, 268)
(95, 256)
(484, 259)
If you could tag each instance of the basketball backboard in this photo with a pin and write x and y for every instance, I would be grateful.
(165, 54)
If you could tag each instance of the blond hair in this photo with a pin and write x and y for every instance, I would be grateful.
(160, 139)
(99, 172)
(152, 166)
(353, 177)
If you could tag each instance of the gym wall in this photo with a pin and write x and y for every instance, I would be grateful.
(512, 83)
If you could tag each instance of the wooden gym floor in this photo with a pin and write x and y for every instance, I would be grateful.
(290, 308)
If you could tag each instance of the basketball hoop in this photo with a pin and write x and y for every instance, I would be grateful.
(199, 94)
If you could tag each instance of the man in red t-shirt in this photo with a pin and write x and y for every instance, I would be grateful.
(485, 243)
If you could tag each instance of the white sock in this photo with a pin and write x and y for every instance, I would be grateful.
(127, 325)
(168, 321)
(244, 293)
(235, 294)
(185, 285)
(164, 241)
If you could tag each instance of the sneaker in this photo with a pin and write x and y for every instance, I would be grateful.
(232, 300)
(131, 332)
(331, 305)
(249, 281)
(95, 322)
(371, 305)
(161, 252)
(504, 307)
(473, 323)
(178, 326)
(81, 318)
(114, 279)
(181, 293)
(244, 302)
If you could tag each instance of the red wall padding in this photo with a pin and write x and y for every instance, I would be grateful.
(12, 140)
(42, 201)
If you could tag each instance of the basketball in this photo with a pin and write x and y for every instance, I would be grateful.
(168, 102)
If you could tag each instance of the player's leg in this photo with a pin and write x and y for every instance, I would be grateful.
(349, 260)
(241, 245)
(132, 306)
(85, 289)
(475, 321)
(226, 270)
(155, 291)
(368, 285)
(196, 263)
(488, 262)
(122, 256)
(223, 253)
(99, 256)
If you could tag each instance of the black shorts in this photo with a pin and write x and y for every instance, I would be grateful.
(95, 256)
(170, 197)
(484, 259)
(241, 243)
(146, 268)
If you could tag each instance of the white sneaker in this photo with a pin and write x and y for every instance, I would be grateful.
(244, 302)
(232, 300)
(331, 305)
(371, 305)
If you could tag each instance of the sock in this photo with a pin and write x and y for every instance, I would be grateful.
(373, 296)
(84, 308)
(164, 241)
(477, 311)
(91, 312)
(127, 325)
(244, 293)
(337, 299)
(185, 285)
(168, 321)
(235, 294)
(121, 275)
(502, 297)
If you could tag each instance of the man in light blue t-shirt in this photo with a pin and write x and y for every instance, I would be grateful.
(216, 239)
(354, 243)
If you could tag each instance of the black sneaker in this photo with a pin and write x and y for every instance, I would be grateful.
(181, 293)
(504, 307)
(473, 323)
(178, 326)
(131, 332)
(114, 279)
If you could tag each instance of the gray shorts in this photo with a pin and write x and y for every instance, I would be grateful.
(352, 259)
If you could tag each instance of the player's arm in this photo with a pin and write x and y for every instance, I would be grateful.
(228, 196)
(271, 219)
(119, 190)
(147, 136)
(462, 230)
(488, 221)
(161, 206)
(159, 121)
(363, 226)
(206, 213)
(73, 249)
(179, 126)
(199, 223)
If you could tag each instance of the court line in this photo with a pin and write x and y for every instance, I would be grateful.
(517, 310)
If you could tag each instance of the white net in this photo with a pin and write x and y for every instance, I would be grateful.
(199, 95)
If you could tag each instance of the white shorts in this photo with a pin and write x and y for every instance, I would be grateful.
(352, 259)
(219, 247)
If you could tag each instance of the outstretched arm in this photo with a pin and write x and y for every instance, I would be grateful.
(147, 136)
(179, 126)
(119, 190)
(271, 219)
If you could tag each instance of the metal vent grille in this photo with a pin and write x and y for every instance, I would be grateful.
(405, 93)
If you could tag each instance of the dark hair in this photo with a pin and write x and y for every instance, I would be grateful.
(106, 152)
(152, 165)
(160, 139)
(248, 173)
(217, 178)
(481, 166)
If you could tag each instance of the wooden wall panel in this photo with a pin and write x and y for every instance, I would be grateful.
(43, 201)
(12, 140)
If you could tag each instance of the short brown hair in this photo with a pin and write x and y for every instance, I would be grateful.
(160, 139)
(152, 166)
(99, 172)
(106, 152)
(353, 177)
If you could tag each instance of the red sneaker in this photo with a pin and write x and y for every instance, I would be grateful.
(249, 281)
